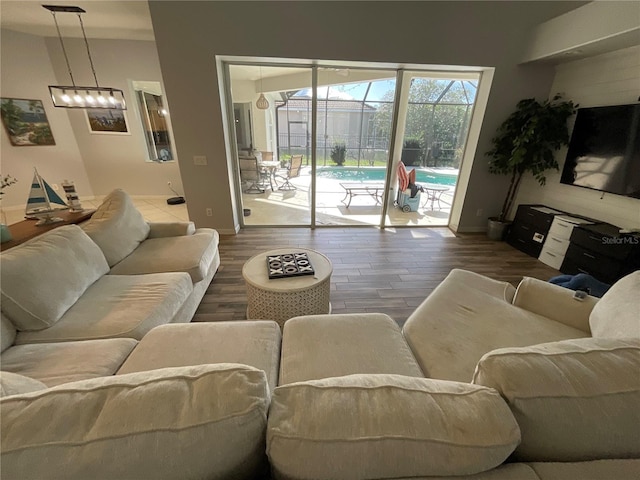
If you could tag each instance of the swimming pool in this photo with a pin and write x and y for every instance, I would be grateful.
(353, 174)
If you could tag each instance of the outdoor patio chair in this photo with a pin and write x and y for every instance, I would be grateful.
(251, 174)
(292, 171)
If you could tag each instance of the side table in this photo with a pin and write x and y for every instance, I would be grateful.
(27, 229)
(284, 298)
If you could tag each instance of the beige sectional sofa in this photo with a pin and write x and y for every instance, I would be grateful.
(484, 382)
(525, 383)
(76, 299)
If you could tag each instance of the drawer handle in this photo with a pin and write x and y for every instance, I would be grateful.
(525, 228)
(583, 271)
(530, 214)
(556, 240)
(597, 239)
(563, 225)
(588, 255)
(551, 254)
(521, 241)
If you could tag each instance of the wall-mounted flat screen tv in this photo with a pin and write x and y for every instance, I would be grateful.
(604, 150)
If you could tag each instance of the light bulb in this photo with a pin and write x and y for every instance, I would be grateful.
(89, 98)
(77, 98)
(65, 98)
(163, 111)
(112, 99)
(102, 100)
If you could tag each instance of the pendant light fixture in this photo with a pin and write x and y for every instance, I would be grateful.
(262, 103)
(75, 96)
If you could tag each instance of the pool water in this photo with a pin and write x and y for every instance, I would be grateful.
(373, 174)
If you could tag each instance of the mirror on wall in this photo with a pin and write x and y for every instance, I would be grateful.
(154, 118)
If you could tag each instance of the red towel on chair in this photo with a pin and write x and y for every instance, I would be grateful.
(404, 178)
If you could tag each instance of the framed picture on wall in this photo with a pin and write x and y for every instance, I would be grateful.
(113, 122)
(26, 122)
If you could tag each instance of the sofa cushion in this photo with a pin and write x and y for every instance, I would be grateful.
(321, 346)
(617, 315)
(205, 421)
(44, 277)
(574, 400)
(253, 343)
(387, 426)
(7, 333)
(118, 306)
(64, 362)
(14, 384)
(117, 226)
(461, 321)
(192, 254)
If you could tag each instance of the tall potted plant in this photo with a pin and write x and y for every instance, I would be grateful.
(526, 142)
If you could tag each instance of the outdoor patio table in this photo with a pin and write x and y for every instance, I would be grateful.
(271, 167)
(374, 189)
(434, 192)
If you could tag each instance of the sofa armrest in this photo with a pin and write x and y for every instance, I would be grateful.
(170, 229)
(554, 302)
(131, 426)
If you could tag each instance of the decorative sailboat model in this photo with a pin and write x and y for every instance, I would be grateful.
(42, 202)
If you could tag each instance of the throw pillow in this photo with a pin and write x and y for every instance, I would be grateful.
(203, 421)
(617, 315)
(387, 426)
(15, 384)
(117, 226)
(44, 277)
(574, 400)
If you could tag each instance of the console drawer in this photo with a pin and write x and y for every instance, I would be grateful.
(561, 228)
(540, 218)
(551, 258)
(580, 260)
(524, 243)
(556, 244)
(609, 245)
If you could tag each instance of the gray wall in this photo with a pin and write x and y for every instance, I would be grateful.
(115, 161)
(26, 72)
(190, 34)
(96, 163)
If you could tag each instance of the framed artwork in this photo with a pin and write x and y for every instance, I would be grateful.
(113, 122)
(26, 122)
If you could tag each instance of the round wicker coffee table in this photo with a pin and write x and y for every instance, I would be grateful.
(280, 299)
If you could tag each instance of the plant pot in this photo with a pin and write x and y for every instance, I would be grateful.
(496, 229)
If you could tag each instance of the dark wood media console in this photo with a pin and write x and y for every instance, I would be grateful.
(597, 249)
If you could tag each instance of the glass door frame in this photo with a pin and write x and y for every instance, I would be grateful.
(395, 142)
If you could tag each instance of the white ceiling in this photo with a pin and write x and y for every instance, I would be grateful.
(114, 19)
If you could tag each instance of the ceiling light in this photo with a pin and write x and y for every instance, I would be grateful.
(262, 103)
(59, 93)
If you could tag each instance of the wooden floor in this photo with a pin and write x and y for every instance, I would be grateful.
(390, 271)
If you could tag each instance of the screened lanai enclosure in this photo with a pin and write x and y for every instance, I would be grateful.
(341, 167)
(358, 116)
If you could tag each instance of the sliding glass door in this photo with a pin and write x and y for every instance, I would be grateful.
(433, 123)
(332, 146)
(353, 132)
(272, 143)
